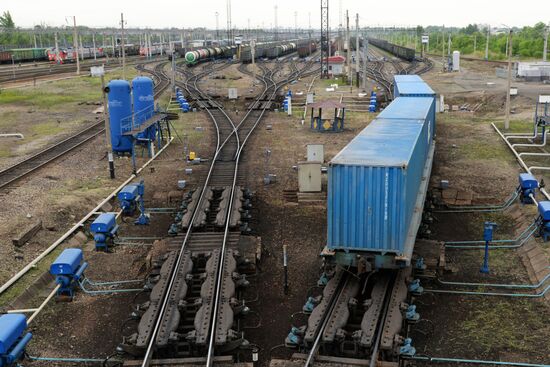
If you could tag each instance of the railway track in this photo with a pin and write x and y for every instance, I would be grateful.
(358, 317)
(19, 170)
(195, 304)
(30, 72)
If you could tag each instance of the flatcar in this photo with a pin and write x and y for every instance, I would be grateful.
(377, 186)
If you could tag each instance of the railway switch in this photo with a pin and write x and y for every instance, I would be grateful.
(13, 339)
(68, 268)
(131, 198)
(544, 219)
(105, 230)
(528, 185)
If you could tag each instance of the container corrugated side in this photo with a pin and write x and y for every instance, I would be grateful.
(370, 207)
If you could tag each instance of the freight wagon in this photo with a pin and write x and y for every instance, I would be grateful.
(404, 53)
(23, 54)
(377, 186)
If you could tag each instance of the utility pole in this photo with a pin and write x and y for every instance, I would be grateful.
(475, 43)
(228, 5)
(93, 41)
(81, 48)
(325, 39)
(357, 48)
(487, 43)
(56, 48)
(75, 45)
(546, 43)
(34, 36)
(296, 24)
(509, 43)
(350, 76)
(365, 59)
(217, 29)
(122, 44)
(275, 26)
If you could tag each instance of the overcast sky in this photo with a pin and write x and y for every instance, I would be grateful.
(196, 13)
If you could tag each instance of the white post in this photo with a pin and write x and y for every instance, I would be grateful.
(509, 84)
(357, 47)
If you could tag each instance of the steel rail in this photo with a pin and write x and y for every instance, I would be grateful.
(21, 169)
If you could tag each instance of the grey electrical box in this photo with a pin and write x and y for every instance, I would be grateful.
(309, 176)
(315, 153)
(232, 93)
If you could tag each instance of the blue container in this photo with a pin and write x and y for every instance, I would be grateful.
(12, 327)
(400, 79)
(120, 108)
(104, 223)
(67, 263)
(144, 104)
(413, 89)
(375, 185)
(412, 108)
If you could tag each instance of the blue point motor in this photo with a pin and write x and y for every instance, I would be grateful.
(68, 268)
(544, 219)
(528, 186)
(13, 338)
(104, 229)
(127, 198)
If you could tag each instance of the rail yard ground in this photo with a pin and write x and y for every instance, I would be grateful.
(469, 154)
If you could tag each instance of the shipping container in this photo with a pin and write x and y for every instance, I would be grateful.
(413, 89)
(376, 190)
(412, 108)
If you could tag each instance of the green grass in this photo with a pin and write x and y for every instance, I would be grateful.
(23, 283)
(505, 324)
(484, 150)
(47, 128)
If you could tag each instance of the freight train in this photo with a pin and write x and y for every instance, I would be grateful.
(404, 53)
(377, 184)
(269, 50)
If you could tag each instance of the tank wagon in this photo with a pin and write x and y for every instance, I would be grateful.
(404, 53)
(199, 55)
(377, 186)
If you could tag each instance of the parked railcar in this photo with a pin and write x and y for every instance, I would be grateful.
(377, 186)
(404, 53)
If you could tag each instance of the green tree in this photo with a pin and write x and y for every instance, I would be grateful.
(6, 21)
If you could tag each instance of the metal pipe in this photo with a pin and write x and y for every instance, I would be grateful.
(31, 265)
(14, 135)
(480, 208)
(520, 160)
(469, 244)
(24, 310)
(544, 134)
(67, 360)
(470, 293)
(105, 291)
(44, 303)
(476, 361)
(496, 285)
